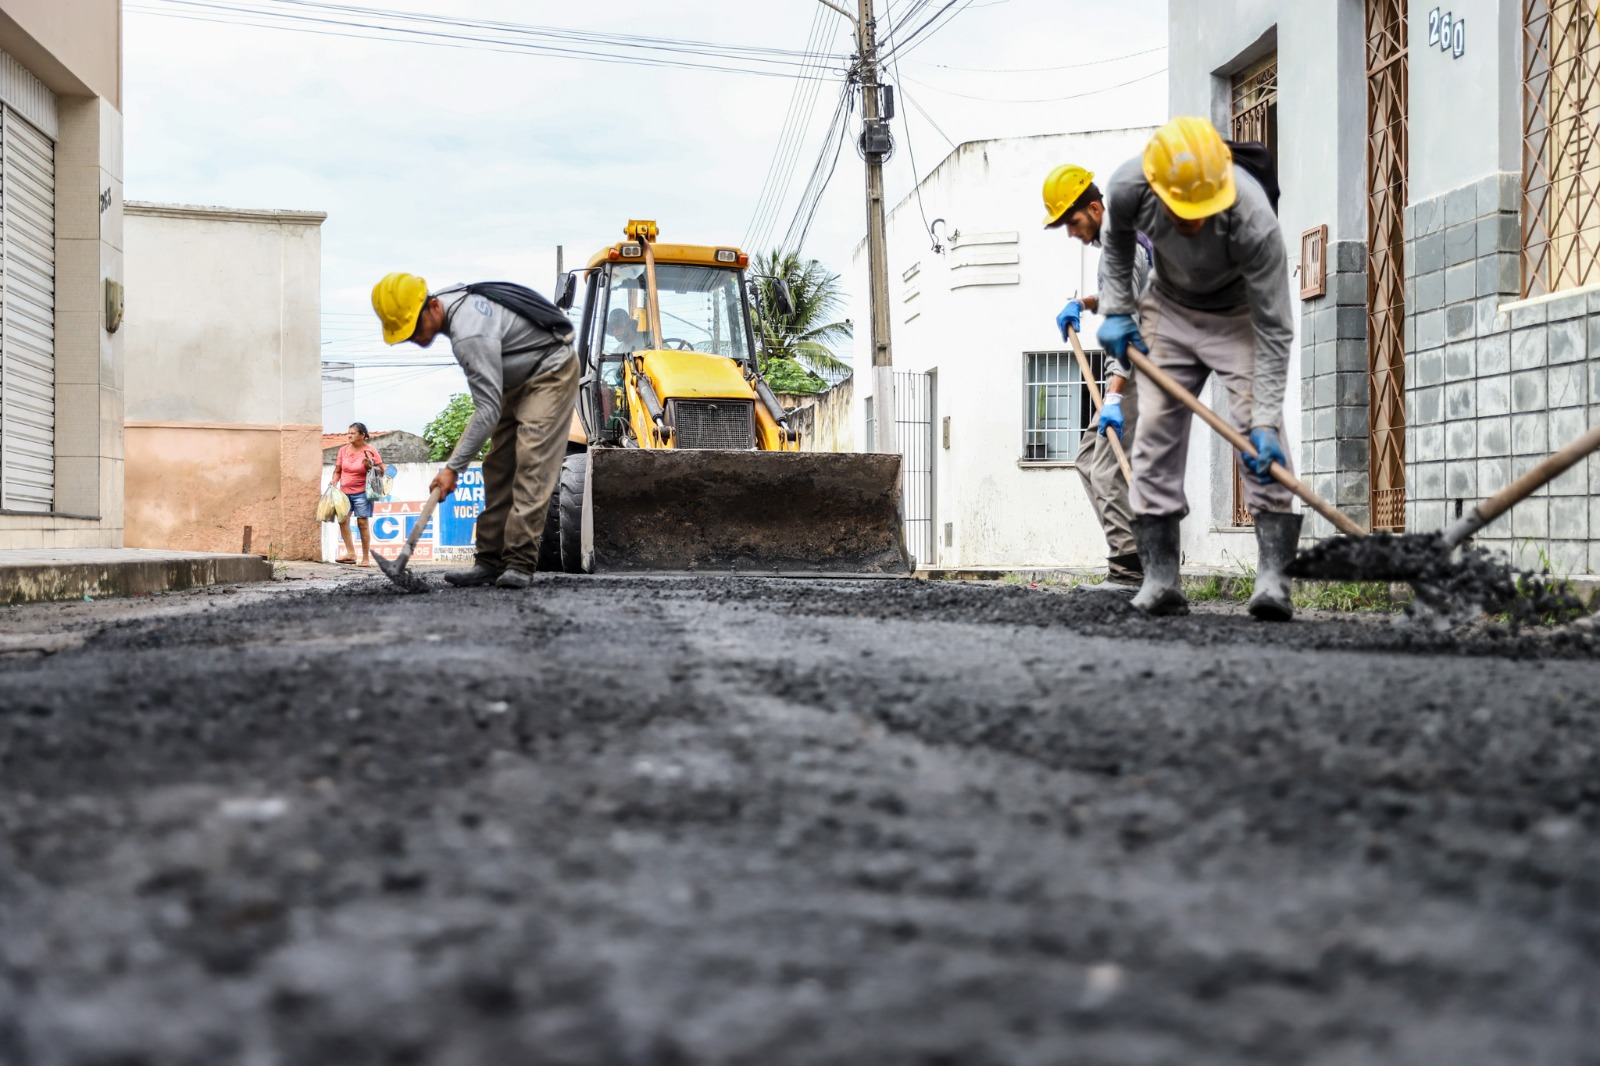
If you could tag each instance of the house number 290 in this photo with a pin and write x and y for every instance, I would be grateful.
(1446, 33)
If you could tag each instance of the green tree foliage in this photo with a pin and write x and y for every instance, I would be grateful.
(810, 335)
(448, 425)
(787, 375)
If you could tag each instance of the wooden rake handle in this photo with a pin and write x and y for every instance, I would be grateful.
(1094, 394)
(1167, 384)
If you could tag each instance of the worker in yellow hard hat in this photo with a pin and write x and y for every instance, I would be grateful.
(1073, 202)
(516, 350)
(1219, 304)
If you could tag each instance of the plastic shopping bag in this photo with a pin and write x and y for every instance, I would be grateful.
(334, 505)
(377, 484)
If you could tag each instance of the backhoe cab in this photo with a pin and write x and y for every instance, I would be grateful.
(689, 462)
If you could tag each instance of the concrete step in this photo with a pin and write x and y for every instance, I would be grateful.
(96, 573)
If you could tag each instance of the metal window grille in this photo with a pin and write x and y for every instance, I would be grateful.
(1387, 163)
(1560, 159)
(913, 420)
(1255, 118)
(1255, 104)
(1056, 405)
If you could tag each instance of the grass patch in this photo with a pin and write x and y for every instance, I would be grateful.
(1344, 596)
(1306, 595)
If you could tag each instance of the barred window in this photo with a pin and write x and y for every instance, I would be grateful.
(1560, 159)
(1056, 405)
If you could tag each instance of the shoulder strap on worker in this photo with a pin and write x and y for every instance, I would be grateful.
(1256, 158)
(521, 300)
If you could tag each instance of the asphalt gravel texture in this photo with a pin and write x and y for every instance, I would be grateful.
(653, 821)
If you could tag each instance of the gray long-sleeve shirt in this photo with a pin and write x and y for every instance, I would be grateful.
(499, 350)
(1236, 261)
(1143, 270)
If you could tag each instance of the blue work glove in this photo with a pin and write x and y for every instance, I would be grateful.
(1269, 450)
(1117, 332)
(1111, 414)
(1071, 315)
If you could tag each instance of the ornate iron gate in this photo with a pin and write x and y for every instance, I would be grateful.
(1255, 118)
(1387, 97)
(1560, 156)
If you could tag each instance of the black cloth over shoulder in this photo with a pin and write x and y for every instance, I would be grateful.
(523, 301)
(1257, 159)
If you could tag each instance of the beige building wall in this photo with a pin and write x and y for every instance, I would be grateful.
(224, 411)
(74, 48)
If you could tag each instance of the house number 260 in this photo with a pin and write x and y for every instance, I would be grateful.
(1446, 33)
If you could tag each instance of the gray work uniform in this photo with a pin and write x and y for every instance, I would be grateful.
(1097, 464)
(524, 383)
(1219, 303)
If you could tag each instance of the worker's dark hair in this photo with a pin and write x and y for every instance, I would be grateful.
(361, 428)
(618, 315)
(1091, 195)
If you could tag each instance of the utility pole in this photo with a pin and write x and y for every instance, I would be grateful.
(875, 145)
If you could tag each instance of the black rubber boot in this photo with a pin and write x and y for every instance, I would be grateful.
(1158, 551)
(1124, 569)
(1277, 536)
(480, 574)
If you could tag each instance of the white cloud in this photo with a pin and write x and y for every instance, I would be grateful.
(466, 164)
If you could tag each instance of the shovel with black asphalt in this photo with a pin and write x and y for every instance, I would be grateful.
(1417, 557)
(395, 569)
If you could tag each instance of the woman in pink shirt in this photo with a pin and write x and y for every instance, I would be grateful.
(355, 459)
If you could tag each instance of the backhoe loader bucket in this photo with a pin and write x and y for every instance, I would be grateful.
(755, 512)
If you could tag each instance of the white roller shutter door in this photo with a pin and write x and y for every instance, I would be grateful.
(27, 317)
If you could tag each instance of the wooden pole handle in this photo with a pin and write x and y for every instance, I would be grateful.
(1094, 394)
(422, 521)
(1167, 384)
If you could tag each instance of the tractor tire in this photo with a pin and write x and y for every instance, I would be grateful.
(550, 543)
(570, 493)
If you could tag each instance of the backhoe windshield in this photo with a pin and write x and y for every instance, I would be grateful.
(701, 309)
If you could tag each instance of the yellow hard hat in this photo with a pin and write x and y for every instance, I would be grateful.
(1190, 168)
(1061, 190)
(398, 299)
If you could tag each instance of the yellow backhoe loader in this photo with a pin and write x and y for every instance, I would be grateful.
(681, 458)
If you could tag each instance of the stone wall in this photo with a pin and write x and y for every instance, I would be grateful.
(1492, 389)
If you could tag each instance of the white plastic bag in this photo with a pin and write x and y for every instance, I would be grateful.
(334, 505)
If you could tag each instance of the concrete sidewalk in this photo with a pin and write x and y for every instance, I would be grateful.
(72, 574)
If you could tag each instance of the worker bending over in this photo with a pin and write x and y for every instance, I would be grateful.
(1072, 200)
(523, 377)
(1220, 303)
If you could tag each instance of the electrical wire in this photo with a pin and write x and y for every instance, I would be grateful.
(795, 238)
(797, 122)
(1046, 100)
(923, 112)
(1043, 70)
(407, 27)
(905, 122)
(926, 31)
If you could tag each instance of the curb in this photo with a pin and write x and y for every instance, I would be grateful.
(99, 578)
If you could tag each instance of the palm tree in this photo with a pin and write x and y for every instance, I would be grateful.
(809, 333)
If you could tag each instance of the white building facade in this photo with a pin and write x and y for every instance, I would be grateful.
(1443, 158)
(990, 400)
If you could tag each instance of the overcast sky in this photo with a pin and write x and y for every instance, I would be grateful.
(466, 165)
